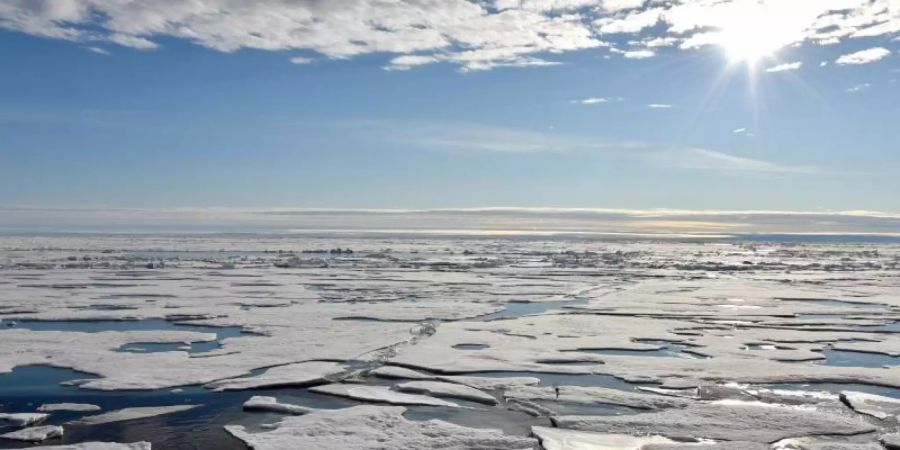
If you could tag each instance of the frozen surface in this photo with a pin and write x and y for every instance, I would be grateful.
(97, 446)
(132, 414)
(374, 427)
(442, 389)
(560, 439)
(22, 419)
(82, 407)
(730, 421)
(297, 375)
(264, 403)
(698, 339)
(380, 394)
(874, 405)
(35, 434)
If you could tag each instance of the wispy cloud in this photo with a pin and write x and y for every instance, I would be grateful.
(466, 137)
(659, 106)
(859, 87)
(98, 50)
(593, 100)
(786, 67)
(301, 60)
(863, 56)
(711, 160)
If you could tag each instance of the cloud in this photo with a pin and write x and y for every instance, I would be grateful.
(639, 54)
(659, 106)
(593, 100)
(703, 159)
(863, 56)
(472, 34)
(786, 67)
(468, 137)
(98, 50)
(302, 60)
(739, 130)
(859, 88)
(490, 221)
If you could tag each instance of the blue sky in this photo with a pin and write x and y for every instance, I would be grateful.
(105, 105)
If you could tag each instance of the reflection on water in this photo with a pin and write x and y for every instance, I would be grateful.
(858, 359)
(26, 388)
(513, 310)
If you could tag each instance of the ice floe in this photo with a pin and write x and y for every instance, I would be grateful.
(35, 434)
(451, 390)
(121, 415)
(379, 394)
(734, 421)
(375, 428)
(264, 403)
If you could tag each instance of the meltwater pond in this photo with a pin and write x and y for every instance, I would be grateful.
(514, 310)
(858, 359)
(99, 326)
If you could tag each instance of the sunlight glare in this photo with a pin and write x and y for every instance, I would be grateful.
(753, 32)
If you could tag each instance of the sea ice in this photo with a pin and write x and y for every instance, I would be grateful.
(124, 414)
(270, 404)
(561, 439)
(294, 375)
(371, 427)
(79, 407)
(23, 419)
(442, 389)
(733, 421)
(35, 434)
(874, 405)
(380, 394)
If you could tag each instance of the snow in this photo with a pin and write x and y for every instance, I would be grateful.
(704, 321)
(560, 439)
(441, 389)
(291, 375)
(484, 383)
(35, 434)
(375, 428)
(877, 406)
(97, 446)
(79, 407)
(121, 415)
(584, 395)
(379, 394)
(270, 404)
(735, 421)
(23, 419)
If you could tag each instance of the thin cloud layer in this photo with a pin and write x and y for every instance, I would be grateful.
(473, 34)
(471, 221)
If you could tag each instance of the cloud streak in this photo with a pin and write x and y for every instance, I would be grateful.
(863, 56)
(786, 67)
(463, 221)
(710, 160)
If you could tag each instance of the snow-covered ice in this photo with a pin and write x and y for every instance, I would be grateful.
(376, 428)
(121, 415)
(742, 342)
(35, 434)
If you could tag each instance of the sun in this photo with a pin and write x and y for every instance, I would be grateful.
(754, 32)
(746, 44)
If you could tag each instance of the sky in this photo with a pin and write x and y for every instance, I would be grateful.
(692, 105)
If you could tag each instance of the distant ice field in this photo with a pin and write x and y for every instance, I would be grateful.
(355, 340)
